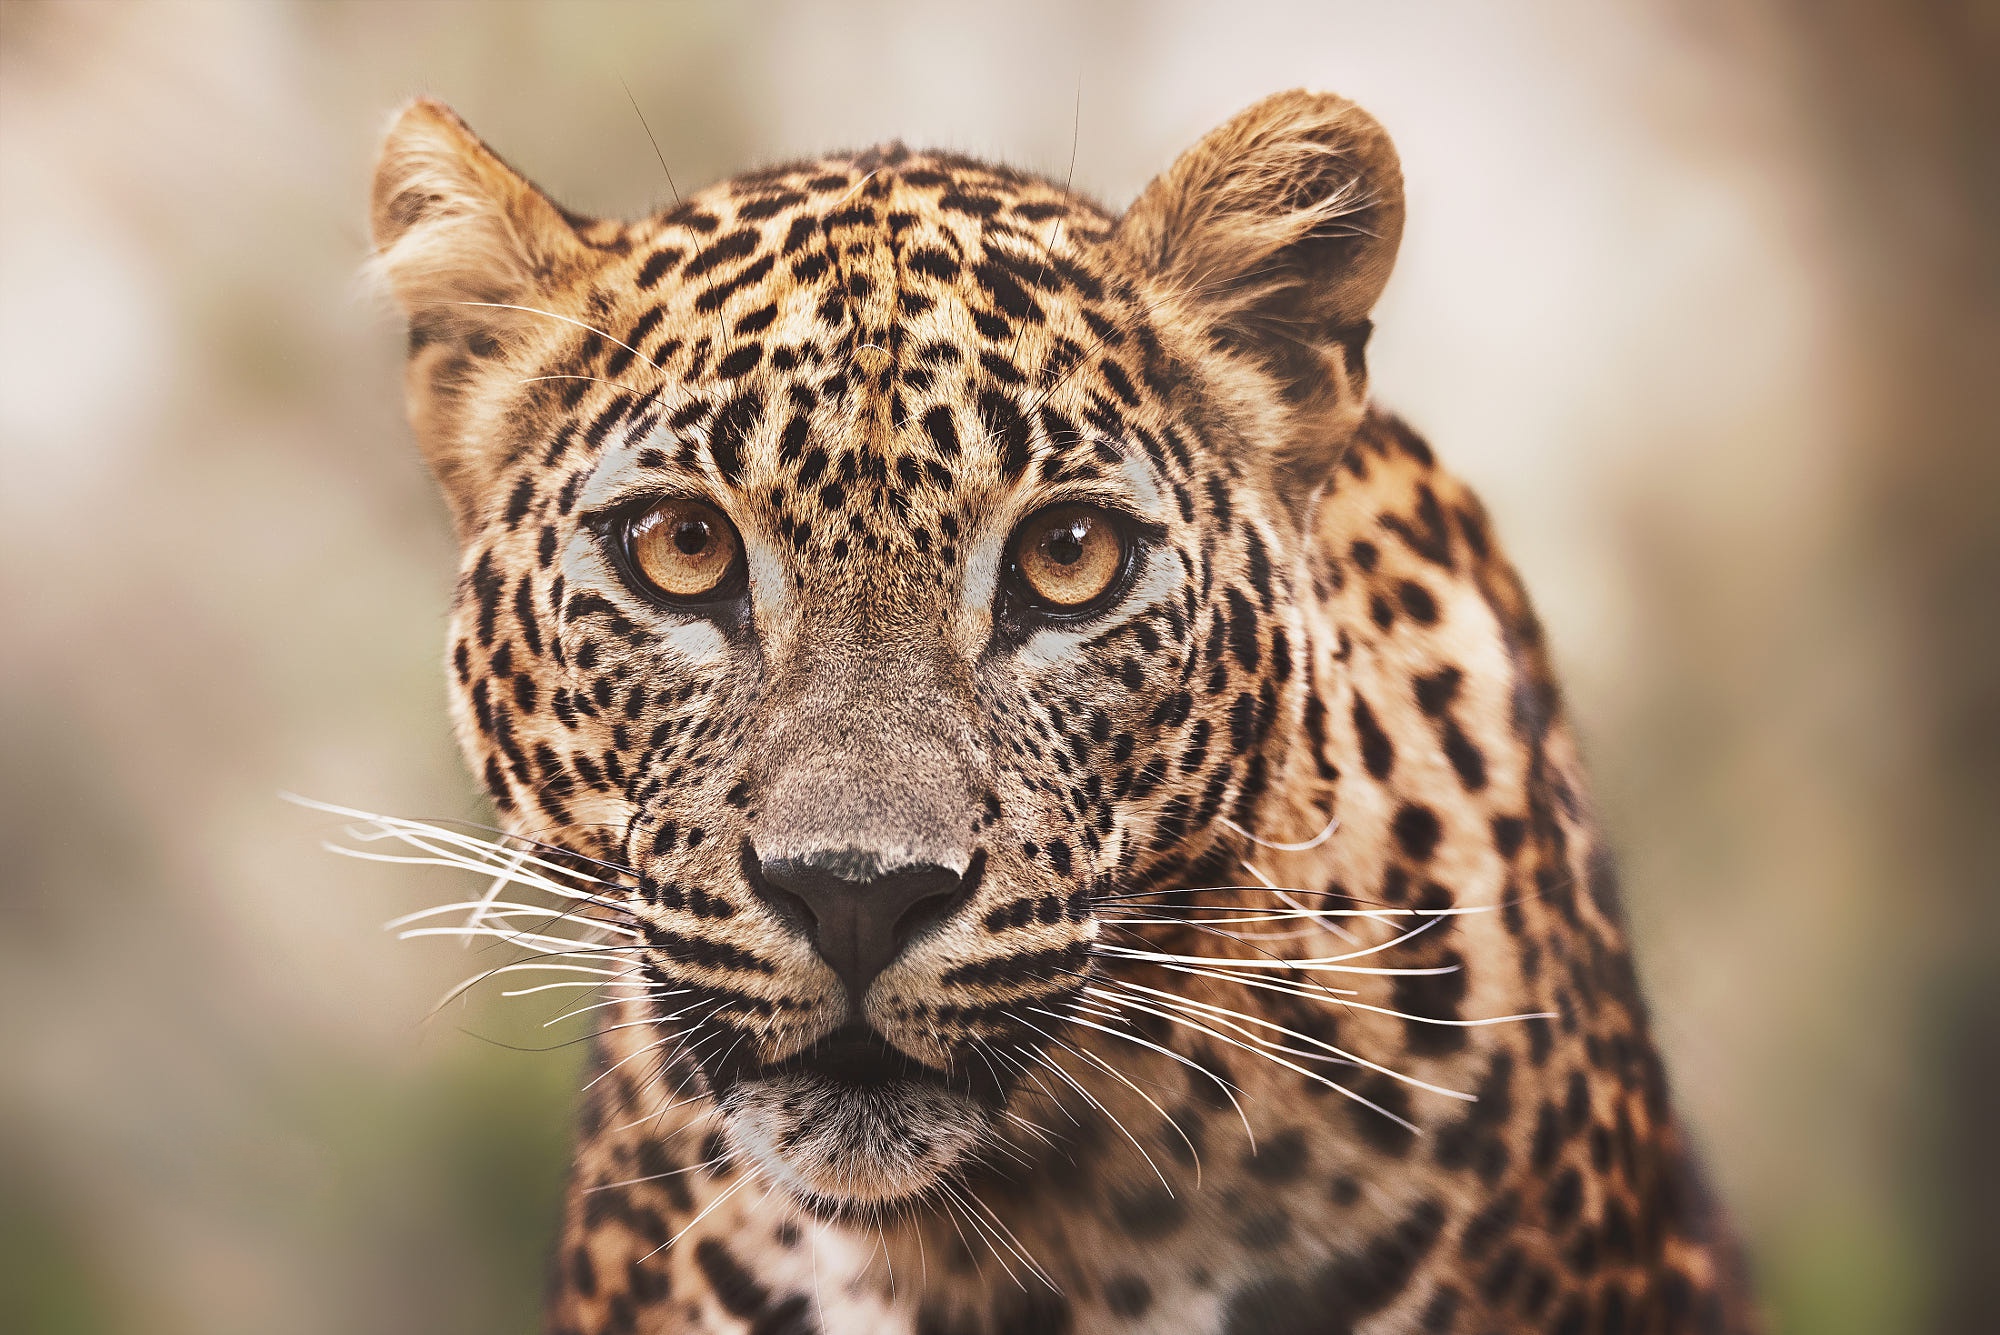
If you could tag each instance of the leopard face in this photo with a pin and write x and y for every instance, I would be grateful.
(887, 566)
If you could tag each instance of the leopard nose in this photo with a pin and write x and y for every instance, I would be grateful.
(859, 914)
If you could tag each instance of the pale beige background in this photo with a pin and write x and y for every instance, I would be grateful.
(1699, 294)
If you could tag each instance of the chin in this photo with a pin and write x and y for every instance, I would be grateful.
(853, 1139)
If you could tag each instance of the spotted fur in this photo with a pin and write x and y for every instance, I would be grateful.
(876, 364)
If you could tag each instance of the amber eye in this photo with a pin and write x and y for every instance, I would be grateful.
(681, 548)
(1068, 556)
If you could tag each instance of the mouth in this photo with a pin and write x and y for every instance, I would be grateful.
(851, 1124)
(855, 1057)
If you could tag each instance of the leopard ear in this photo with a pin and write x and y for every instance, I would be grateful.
(459, 238)
(1275, 234)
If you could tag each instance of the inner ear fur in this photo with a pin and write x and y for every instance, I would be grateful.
(454, 226)
(1276, 234)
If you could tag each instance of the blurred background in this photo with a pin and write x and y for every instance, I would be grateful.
(1702, 295)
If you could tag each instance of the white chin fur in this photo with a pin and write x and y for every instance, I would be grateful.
(839, 1146)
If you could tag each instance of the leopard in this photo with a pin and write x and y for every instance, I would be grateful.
(1075, 803)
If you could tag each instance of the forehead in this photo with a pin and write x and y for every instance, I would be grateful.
(862, 346)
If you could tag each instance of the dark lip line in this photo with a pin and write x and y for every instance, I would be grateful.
(852, 1055)
(855, 1057)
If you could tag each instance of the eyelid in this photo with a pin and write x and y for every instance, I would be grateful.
(1136, 526)
(629, 501)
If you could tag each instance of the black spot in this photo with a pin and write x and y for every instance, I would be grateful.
(1004, 425)
(1487, 1227)
(1147, 1213)
(1265, 1230)
(725, 438)
(1342, 1293)
(1127, 1295)
(1037, 1312)
(1417, 601)
(732, 247)
(1441, 1311)
(1242, 630)
(1378, 1126)
(979, 206)
(932, 262)
(517, 501)
(1417, 830)
(1437, 690)
(942, 430)
(1377, 753)
(1563, 1198)
(1434, 996)
(1008, 295)
(657, 265)
(1466, 757)
(1279, 1158)
(740, 362)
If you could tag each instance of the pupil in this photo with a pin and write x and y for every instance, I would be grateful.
(691, 537)
(1065, 545)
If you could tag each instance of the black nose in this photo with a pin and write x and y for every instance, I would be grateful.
(858, 914)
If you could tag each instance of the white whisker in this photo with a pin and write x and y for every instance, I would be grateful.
(534, 310)
(1227, 1091)
(1332, 824)
(1188, 1023)
(1114, 1071)
(672, 1172)
(1091, 1099)
(707, 1210)
(1209, 1010)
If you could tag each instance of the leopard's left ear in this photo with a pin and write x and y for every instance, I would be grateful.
(1275, 234)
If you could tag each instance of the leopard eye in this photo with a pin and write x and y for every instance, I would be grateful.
(682, 549)
(1067, 557)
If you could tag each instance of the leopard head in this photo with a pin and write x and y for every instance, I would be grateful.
(886, 563)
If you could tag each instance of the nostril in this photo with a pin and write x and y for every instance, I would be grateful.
(921, 916)
(931, 909)
(791, 907)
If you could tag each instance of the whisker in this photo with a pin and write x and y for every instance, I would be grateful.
(707, 1210)
(1325, 921)
(1310, 964)
(1227, 1016)
(1332, 824)
(550, 987)
(1189, 1023)
(1228, 1091)
(1114, 1071)
(1013, 1242)
(535, 310)
(1092, 1100)
(672, 1172)
(594, 379)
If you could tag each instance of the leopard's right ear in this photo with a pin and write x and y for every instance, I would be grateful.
(453, 223)
(460, 238)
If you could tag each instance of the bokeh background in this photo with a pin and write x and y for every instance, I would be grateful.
(1702, 295)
